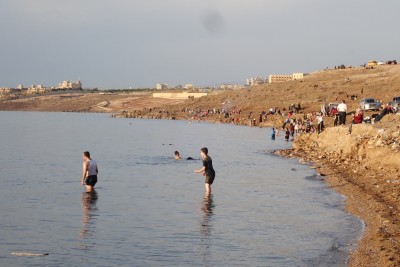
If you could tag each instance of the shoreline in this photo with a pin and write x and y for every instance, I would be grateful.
(358, 204)
(370, 189)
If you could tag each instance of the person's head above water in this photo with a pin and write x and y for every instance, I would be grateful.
(177, 155)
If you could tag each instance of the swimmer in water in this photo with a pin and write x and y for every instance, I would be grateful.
(177, 155)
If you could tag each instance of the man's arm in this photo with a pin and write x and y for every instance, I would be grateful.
(201, 170)
(84, 171)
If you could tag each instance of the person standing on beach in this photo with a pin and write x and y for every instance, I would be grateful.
(273, 133)
(342, 108)
(320, 120)
(287, 134)
(207, 170)
(89, 173)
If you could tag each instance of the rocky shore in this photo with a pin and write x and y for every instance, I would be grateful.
(363, 165)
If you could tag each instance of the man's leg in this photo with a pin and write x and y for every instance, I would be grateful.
(208, 189)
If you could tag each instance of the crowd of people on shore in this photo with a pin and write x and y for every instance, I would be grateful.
(293, 121)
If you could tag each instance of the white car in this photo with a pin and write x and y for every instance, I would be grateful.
(370, 104)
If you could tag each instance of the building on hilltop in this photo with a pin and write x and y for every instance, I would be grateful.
(69, 85)
(276, 78)
(255, 81)
(298, 76)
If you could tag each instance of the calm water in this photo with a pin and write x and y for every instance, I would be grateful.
(149, 209)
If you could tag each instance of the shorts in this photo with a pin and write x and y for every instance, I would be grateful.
(210, 179)
(91, 180)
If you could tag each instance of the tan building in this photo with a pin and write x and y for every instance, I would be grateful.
(32, 90)
(5, 90)
(276, 78)
(184, 95)
(298, 76)
(37, 89)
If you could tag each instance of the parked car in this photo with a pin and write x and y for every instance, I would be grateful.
(370, 104)
(395, 103)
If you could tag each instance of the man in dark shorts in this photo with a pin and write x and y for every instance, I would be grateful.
(89, 173)
(208, 170)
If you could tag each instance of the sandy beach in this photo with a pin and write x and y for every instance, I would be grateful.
(362, 165)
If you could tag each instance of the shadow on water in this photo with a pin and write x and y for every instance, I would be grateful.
(206, 228)
(89, 212)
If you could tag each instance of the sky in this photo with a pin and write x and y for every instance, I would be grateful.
(112, 44)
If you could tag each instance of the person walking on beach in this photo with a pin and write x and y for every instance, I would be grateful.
(273, 133)
(287, 134)
(320, 120)
(342, 108)
(89, 173)
(207, 170)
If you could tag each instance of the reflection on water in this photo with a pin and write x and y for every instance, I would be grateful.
(89, 212)
(206, 229)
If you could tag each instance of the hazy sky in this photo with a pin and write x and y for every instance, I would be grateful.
(138, 43)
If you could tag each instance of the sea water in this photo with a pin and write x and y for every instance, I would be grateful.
(149, 209)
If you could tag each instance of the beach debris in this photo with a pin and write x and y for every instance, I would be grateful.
(28, 254)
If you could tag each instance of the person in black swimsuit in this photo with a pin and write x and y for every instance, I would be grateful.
(207, 170)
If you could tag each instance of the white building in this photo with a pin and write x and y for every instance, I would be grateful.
(189, 86)
(70, 85)
(230, 86)
(161, 86)
(255, 81)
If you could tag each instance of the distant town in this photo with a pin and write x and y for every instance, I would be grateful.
(22, 91)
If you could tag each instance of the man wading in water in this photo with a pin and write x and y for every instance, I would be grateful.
(208, 170)
(89, 173)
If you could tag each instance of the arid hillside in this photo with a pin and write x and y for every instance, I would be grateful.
(382, 82)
